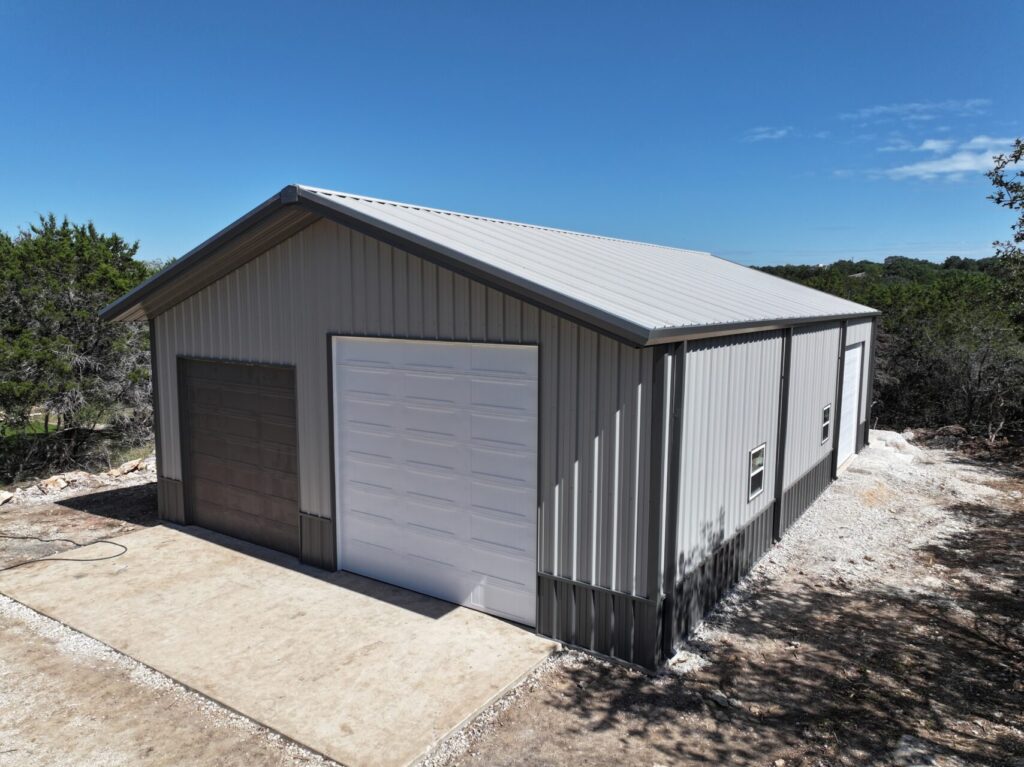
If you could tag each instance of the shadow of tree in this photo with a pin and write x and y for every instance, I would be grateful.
(818, 672)
(135, 504)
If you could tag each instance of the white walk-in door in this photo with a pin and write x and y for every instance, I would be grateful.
(436, 469)
(851, 403)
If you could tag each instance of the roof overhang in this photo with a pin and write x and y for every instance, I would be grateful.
(294, 208)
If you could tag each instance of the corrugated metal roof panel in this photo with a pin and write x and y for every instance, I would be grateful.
(633, 291)
(651, 286)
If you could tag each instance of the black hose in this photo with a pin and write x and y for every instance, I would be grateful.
(75, 544)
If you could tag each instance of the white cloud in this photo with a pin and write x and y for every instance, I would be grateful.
(952, 167)
(897, 145)
(937, 145)
(767, 133)
(972, 156)
(918, 111)
(987, 144)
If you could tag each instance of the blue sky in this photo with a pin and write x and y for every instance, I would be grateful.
(766, 132)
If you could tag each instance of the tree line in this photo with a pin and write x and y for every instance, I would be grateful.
(949, 344)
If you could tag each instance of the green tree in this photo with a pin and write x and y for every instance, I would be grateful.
(949, 349)
(1007, 176)
(62, 368)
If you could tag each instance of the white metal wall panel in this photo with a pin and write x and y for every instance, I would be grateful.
(731, 391)
(436, 473)
(860, 332)
(814, 365)
(848, 419)
(595, 393)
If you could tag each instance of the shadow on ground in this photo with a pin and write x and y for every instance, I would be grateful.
(135, 504)
(844, 674)
(30, 531)
(423, 605)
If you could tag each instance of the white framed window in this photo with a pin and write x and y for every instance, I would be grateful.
(756, 479)
(826, 422)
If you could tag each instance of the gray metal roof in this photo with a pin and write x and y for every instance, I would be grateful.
(640, 292)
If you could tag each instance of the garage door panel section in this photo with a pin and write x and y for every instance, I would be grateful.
(242, 462)
(436, 468)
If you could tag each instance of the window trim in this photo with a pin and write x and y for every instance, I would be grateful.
(752, 472)
(826, 423)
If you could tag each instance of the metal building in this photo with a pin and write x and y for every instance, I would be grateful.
(588, 436)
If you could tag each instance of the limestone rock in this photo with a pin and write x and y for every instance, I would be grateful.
(53, 484)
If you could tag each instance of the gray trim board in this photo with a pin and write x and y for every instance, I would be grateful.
(702, 332)
(170, 500)
(330, 447)
(317, 541)
(780, 448)
(253, 234)
(670, 543)
(660, 399)
(837, 419)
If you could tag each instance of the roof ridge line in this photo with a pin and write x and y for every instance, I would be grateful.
(493, 220)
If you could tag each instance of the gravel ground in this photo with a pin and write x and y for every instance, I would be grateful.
(887, 628)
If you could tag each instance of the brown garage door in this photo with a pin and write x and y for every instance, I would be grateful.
(239, 443)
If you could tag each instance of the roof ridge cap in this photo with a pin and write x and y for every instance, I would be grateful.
(493, 220)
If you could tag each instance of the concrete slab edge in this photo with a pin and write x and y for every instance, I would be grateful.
(426, 757)
(179, 683)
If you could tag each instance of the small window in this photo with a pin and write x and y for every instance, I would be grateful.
(756, 472)
(826, 423)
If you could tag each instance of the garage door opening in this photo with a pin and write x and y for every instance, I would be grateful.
(436, 469)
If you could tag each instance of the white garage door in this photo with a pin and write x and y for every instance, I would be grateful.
(436, 475)
(851, 403)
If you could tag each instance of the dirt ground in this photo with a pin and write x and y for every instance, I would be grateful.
(885, 629)
(80, 519)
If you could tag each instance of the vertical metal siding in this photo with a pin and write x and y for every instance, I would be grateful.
(859, 331)
(595, 395)
(730, 405)
(812, 386)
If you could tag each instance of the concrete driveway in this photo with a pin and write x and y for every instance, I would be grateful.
(363, 672)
